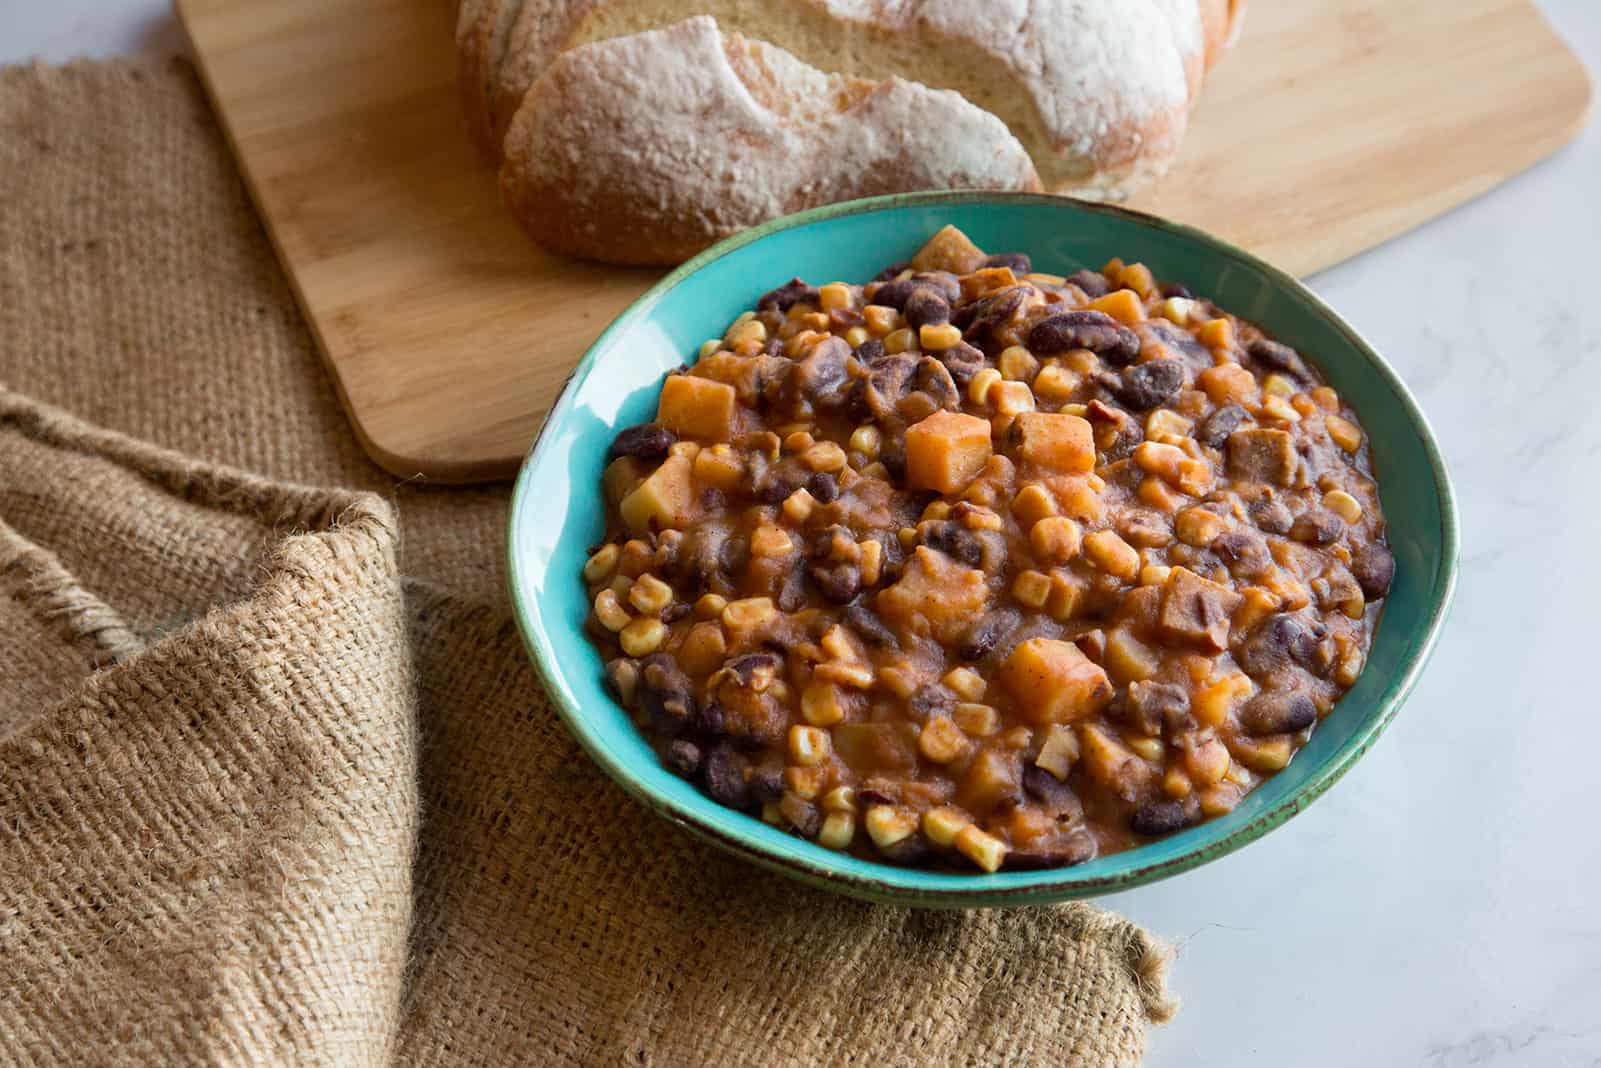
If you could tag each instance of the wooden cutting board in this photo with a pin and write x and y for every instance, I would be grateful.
(1334, 125)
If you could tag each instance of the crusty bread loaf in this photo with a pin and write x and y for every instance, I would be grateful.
(483, 30)
(1097, 91)
(648, 147)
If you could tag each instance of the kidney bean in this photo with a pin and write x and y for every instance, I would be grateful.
(954, 540)
(865, 622)
(1152, 706)
(1374, 568)
(1175, 289)
(930, 699)
(823, 486)
(840, 583)
(1017, 261)
(1155, 818)
(766, 784)
(987, 633)
(1073, 848)
(684, 757)
(1277, 712)
(912, 849)
(1145, 385)
(1217, 427)
(1055, 795)
(787, 295)
(1271, 515)
(925, 307)
(1093, 283)
(944, 283)
(646, 441)
(723, 773)
(1276, 355)
(1317, 527)
(819, 377)
(891, 271)
(1093, 330)
(979, 318)
(792, 592)
(1280, 640)
(963, 361)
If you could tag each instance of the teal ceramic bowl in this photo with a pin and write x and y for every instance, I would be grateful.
(557, 509)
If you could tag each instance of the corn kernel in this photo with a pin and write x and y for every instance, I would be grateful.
(1031, 588)
(602, 564)
(1343, 505)
(965, 683)
(899, 681)
(1158, 459)
(749, 330)
(900, 340)
(1166, 423)
(1218, 801)
(710, 606)
(983, 849)
(1146, 746)
(822, 704)
(642, 637)
(1059, 752)
(1177, 309)
(770, 541)
(798, 506)
(941, 740)
(1017, 738)
(888, 824)
(1017, 364)
(1280, 409)
(1154, 492)
(1325, 397)
(1212, 705)
(809, 746)
(836, 643)
(824, 456)
(1011, 398)
(936, 510)
(1067, 593)
(840, 799)
(978, 389)
(650, 595)
(856, 676)
(1195, 476)
(871, 563)
(748, 612)
(1055, 538)
(1349, 668)
(1263, 754)
(1154, 574)
(942, 825)
(1198, 527)
(1304, 404)
(1032, 504)
(620, 585)
(1112, 554)
(975, 719)
(838, 830)
(880, 319)
(612, 615)
(867, 440)
(982, 518)
(1217, 334)
(710, 346)
(1055, 383)
(1345, 433)
(1137, 276)
(835, 295)
(720, 467)
(1176, 784)
(856, 337)
(806, 783)
(932, 337)
(1207, 762)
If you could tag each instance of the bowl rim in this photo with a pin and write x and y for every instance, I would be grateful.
(1051, 884)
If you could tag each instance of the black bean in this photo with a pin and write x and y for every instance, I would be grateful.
(869, 350)
(819, 376)
(891, 271)
(792, 593)
(889, 378)
(823, 486)
(665, 695)
(1217, 427)
(926, 308)
(684, 757)
(1149, 706)
(1017, 261)
(801, 816)
(675, 611)
(622, 675)
(1159, 817)
(1093, 330)
(1176, 337)
(931, 378)
(1051, 792)
(865, 622)
(1277, 712)
(1271, 515)
(963, 361)
(723, 772)
(785, 296)
(981, 317)
(987, 633)
(954, 540)
(646, 441)
(1374, 568)
(1175, 289)
(1276, 355)
(766, 785)
(1074, 848)
(944, 283)
(1093, 283)
(1244, 552)
(1146, 385)
(1317, 527)
(909, 850)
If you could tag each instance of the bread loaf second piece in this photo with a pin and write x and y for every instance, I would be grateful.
(1098, 91)
(647, 148)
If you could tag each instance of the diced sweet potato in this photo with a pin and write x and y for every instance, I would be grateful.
(935, 595)
(1109, 762)
(1054, 440)
(697, 408)
(1129, 659)
(993, 776)
(946, 451)
(1121, 304)
(665, 499)
(949, 250)
(1077, 498)
(1054, 682)
(1260, 455)
(1196, 611)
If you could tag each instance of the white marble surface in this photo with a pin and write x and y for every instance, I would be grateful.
(1441, 906)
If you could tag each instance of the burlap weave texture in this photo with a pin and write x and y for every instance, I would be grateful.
(276, 782)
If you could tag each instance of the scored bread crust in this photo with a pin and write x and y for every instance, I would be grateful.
(483, 33)
(647, 148)
(1097, 92)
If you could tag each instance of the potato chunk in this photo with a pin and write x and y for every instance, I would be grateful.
(1196, 611)
(1053, 440)
(665, 499)
(946, 451)
(697, 408)
(949, 250)
(1054, 682)
(935, 595)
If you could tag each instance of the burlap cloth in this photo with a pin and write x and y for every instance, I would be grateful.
(277, 786)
